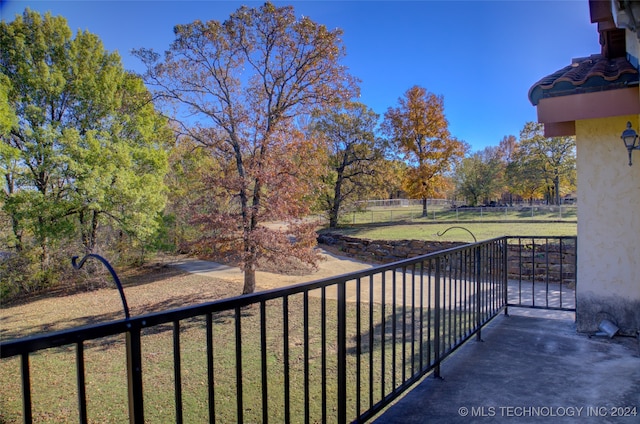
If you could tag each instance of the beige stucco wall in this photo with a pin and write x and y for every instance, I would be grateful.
(608, 225)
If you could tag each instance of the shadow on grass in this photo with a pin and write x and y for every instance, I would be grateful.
(133, 278)
(10, 331)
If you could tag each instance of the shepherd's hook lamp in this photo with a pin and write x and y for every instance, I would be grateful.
(630, 137)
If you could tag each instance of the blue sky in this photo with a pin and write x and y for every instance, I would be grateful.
(482, 56)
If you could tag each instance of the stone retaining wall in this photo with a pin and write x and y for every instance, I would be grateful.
(383, 251)
(525, 260)
(531, 261)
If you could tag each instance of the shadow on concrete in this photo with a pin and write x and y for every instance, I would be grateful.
(531, 367)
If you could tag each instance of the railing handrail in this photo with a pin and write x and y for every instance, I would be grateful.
(541, 237)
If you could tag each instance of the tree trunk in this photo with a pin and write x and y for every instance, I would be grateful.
(250, 262)
(249, 278)
(17, 232)
(333, 219)
(15, 222)
(474, 200)
(89, 228)
(94, 231)
(424, 207)
(44, 245)
(335, 205)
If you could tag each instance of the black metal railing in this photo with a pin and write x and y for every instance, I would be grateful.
(542, 272)
(333, 350)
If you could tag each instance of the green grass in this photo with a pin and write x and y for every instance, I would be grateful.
(482, 231)
(437, 213)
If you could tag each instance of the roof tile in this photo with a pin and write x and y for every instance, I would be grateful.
(593, 73)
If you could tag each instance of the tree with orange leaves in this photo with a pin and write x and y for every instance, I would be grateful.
(241, 84)
(419, 129)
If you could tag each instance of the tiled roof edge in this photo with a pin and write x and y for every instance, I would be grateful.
(595, 72)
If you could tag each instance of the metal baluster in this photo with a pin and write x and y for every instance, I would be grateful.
(305, 319)
(177, 373)
(323, 337)
(263, 362)
(82, 388)
(134, 372)
(239, 391)
(383, 336)
(358, 345)
(342, 352)
(26, 389)
(371, 342)
(210, 369)
(436, 323)
(287, 378)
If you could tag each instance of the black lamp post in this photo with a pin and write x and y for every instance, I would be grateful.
(629, 136)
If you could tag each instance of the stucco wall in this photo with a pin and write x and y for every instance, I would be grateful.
(608, 226)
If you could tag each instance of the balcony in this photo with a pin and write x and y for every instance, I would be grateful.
(342, 349)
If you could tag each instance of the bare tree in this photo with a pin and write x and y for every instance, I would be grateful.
(242, 83)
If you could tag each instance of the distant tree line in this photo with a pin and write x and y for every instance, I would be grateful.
(223, 148)
(534, 167)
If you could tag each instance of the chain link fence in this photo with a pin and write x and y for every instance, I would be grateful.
(395, 210)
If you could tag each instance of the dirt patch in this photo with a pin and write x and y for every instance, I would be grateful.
(331, 265)
(154, 287)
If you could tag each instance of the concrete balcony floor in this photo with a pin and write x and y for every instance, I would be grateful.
(531, 367)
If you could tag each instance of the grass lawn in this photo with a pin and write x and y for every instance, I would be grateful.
(156, 289)
(482, 231)
(105, 358)
(442, 214)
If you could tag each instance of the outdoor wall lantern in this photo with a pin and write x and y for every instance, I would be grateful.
(629, 136)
